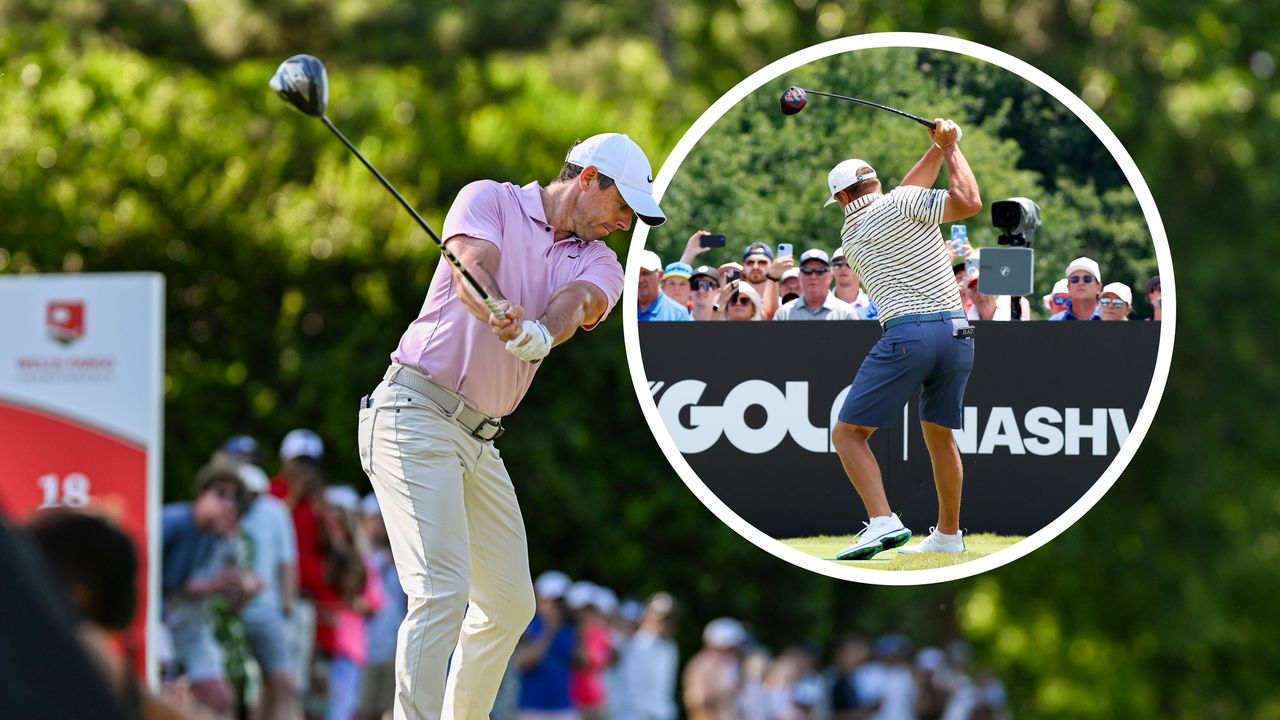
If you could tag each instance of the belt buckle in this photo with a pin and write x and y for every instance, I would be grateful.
(496, 424)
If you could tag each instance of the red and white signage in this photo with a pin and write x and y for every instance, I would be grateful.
(82, 408)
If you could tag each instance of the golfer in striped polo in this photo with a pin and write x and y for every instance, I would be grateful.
(893, 242)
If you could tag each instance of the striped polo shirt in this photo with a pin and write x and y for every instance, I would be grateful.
(894, 244)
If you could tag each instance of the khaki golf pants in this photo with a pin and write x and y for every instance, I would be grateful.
(459, 544)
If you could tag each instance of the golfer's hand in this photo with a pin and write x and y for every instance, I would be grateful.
(945, 133)
(507, 328)
(694, 247)
(533, 343)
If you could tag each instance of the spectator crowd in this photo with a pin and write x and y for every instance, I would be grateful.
(818, 285)
(280, 599)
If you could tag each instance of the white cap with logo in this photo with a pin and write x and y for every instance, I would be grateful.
(301, 443)
(621, 159)
(650, 261)
(1088, 265)
(1120, 290)
(846, 174)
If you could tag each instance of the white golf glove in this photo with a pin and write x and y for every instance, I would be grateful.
(533, 343)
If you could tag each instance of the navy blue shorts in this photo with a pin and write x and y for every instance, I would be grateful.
(915, 354)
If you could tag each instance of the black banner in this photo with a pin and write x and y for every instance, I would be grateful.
(751, 404)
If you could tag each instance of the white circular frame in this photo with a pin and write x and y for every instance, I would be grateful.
(1145, 415)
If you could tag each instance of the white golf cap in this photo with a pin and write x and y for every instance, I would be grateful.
(815, 254)
(650, 261)
(1060, 287)
(846, 174)
(1118, 289)
(724, 633)
(1087, 265)
(301, 443)
(551, 585)
(620, 158)
(369, 505)
(793, 272)
(254, 478)
(606, 600)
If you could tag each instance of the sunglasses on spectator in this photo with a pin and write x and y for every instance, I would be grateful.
(1086, 279)
(841, 263)
(705, 285)
(1111, 302)
(1059, 300)
(742, 300)
(814, 271)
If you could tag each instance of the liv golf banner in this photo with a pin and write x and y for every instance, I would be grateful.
(81, 409)
(751, 406)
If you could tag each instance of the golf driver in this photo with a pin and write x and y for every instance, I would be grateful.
(795, 98)
(302, 82)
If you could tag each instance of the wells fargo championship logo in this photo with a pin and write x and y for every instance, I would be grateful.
(64, 320)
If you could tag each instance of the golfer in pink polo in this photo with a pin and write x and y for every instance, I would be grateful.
(427, 431)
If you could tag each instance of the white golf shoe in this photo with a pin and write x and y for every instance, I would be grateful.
(882, 533)
(937, 543)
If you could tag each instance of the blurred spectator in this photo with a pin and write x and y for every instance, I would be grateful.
(593, 652)
(359, 597)
(649, 664)
(792, 689)
(653, 305)
(789, 286)
(301, 484)
(705, 283)
(713, 677)
(1084, 283)
(980, 306)
(272, 555)
(753, 701)
(1153, 296)
(1116, 301)
(849, 286)
(242, 449)
(1059, 299)
(980, 698)
(545, 654)
(675, 282)
(377, 681)
(816, 301)
(846, 699)
(194, 545)
(739, 301)
(889, 679)
(934, 685)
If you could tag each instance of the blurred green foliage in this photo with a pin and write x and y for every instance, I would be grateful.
(140, 135)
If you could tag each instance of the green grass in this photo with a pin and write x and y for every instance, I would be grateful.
(825, 547)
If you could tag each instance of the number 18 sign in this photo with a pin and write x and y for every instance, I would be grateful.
(81, 409)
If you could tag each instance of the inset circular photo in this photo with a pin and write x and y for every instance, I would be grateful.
(992, 297)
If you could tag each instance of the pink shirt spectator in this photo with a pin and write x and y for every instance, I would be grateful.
(458, 350)
(349, 638)
(586, 682)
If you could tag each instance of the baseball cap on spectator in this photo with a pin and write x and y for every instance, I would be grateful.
(342, 496)
(243, 447)
(757, 248)
(1060, 287)
(301, 443)
(551, 585)
(606, 600)
(661, 603)
(650, 261)
(893, 644)
(581, 594)
(790, 273)
(931, 659)
(618, 157)
(369, 505)
(630, 610)
(1152, 283)
(1120, 290)
(1087, 265)
(678, 270)
(724, 633)
(254, 478)
(705, 271)
(815, 254)
(846, 174)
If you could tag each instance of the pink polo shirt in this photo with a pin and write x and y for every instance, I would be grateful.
(461, 352)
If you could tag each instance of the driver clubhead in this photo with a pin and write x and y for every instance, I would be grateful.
(793, 100)
(302, 82)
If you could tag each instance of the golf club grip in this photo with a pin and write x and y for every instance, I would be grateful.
(489, 302)
(927, 123)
